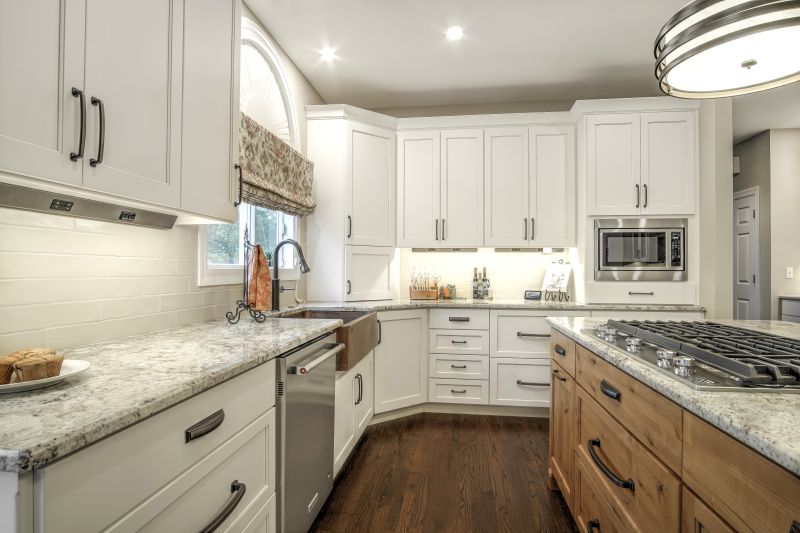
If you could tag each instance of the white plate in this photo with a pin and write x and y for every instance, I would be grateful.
(69, 368)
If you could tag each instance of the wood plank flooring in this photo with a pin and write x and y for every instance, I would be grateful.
(441, 473)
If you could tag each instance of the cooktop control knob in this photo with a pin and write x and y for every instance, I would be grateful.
(634, 343)
(611, 334)
(665, 357)
(683, 365)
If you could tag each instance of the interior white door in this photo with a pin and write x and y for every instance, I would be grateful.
(552, 185)
(745, 263)
(133, 67)
(401, 369)
(39, 115)
(668, 163)
(613, 174)
(370, 185)
(418, 189)
(462, 188)
(506, 187)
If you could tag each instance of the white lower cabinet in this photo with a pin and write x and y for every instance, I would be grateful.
(401, 360)
(459, 391)
(353, 409)
(520, 382)
(517, 333)
(459, 360)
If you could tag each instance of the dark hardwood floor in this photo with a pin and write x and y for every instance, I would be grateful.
(433, 473)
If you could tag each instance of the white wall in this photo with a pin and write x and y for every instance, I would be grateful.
(784, 212)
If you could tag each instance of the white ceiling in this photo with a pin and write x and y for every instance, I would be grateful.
(393, 53)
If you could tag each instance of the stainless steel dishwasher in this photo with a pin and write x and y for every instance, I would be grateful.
(306, 386)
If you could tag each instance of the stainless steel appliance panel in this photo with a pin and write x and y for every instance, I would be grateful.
(640, 250)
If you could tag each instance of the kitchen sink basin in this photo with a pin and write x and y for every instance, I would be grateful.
(359, 333)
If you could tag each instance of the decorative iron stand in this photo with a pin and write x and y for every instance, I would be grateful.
(242, 305)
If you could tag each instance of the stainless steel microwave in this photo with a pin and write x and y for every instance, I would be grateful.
(642, 249)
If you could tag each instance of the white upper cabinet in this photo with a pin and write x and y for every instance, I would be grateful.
(418, 186)
(133, 89)
(34, 140)
(552, 185)
(461, 188)
(506, 187)
(641, 163)
(370, 185)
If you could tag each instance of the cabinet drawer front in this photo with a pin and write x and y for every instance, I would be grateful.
(120, 471)
(521, 382)
(650, 496)
(746, 489)
(459, 367)
(459, 319)
(591, 508)
(458, 391)
(652, 418)
(459, 341)
(562, 351)
(521, 336)
(790, 307)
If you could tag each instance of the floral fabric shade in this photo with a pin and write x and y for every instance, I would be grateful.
(274, 175)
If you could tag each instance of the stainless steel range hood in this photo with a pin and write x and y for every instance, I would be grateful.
(17, 197)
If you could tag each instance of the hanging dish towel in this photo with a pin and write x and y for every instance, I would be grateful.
(259, 284)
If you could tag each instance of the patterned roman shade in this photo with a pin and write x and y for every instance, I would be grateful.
(274, 175)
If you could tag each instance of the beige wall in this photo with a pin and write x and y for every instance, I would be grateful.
(754, 159)
(785, 212)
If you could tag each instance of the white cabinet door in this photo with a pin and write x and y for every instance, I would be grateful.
(344, 418)
(401, 360)
(210, 107)
(368, 273)
(669, 163)
(39, 116)
(552, 185)
(370, 186)
(506, 187)
(418, 189)
(462, 188)
(612, 164)
(365, 400)
(133, 67)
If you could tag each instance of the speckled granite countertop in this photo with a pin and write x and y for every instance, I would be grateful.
(767, 422)
(135, 377)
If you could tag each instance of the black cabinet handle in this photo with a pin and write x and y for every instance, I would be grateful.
(521, 334)
(205, 426)
(560, 350)
(237, 493)
(458, 319)
(360, 378)
(462, 391)
(593, 525)
(609, 390)
(458, 342)
(558, 376)
(533, 229)
(634, 293)
(436, 230)
(795, 527)
(349, 287)
(645, 195)
(637, 195)
(442, 229)
(532, 383)
(525, 226)
(74, 156)
(238, 168)
(458, 366)
(380, 332)
(349, 226)
(616, 480)
(102, 133)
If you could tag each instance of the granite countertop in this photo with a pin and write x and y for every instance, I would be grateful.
(765, 421)
(135, 377)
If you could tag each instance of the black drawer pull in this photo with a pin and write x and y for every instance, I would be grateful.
(593, 525)
(538, 335)
(458, 319)
(101, 136)
(458, 366)
(616, 480)
(205, 426)
(462, 391)
(532, 383)
(237, 493)
(459, 342)
(74, 156)
(558, 376)
(609, 390)
(635, 293)
(560, 350)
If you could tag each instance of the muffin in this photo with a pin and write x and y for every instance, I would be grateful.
(6, 370)
(30, 368)
(53, 362)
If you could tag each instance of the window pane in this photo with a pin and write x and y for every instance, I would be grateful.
(271, 227)
(224, 242)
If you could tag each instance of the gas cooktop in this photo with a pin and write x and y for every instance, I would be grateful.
(709, 356)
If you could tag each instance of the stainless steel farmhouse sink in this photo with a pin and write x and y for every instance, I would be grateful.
(359, 333)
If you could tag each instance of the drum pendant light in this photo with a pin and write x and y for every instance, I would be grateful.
(718, 48)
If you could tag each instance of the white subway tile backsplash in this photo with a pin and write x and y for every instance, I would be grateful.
(97, 288)
(6, 238)
(165, 285)
(147, 323)
(16, 217)
(30, 317)
(126, 307)
(35, 291)
(13, 265)
(66, 336)
(6, 320)
(174, 302)
(28, 339)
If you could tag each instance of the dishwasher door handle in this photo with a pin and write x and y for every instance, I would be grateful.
(302, 370)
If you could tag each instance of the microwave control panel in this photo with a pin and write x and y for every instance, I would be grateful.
(676, 249)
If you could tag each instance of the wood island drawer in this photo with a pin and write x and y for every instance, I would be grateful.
(562, 351)
(591, 509)
(88, 490)
(460, 341)
(459, 319)
(746, 489)
(459, 366)
(639, 489)
(649, 416)
(520, 382)
(458, 391)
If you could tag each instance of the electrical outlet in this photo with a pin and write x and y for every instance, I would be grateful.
(789, 272)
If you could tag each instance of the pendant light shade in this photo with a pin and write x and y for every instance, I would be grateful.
(718, 48)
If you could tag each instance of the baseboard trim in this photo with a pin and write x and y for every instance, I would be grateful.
(459, 409)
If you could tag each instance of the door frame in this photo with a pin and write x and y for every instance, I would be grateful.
(737, 195)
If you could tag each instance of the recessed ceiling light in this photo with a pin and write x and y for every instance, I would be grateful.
(455, 33)
(327, 54)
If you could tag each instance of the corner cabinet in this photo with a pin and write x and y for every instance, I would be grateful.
(641, 163)
(91, 104)
(401, 360)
